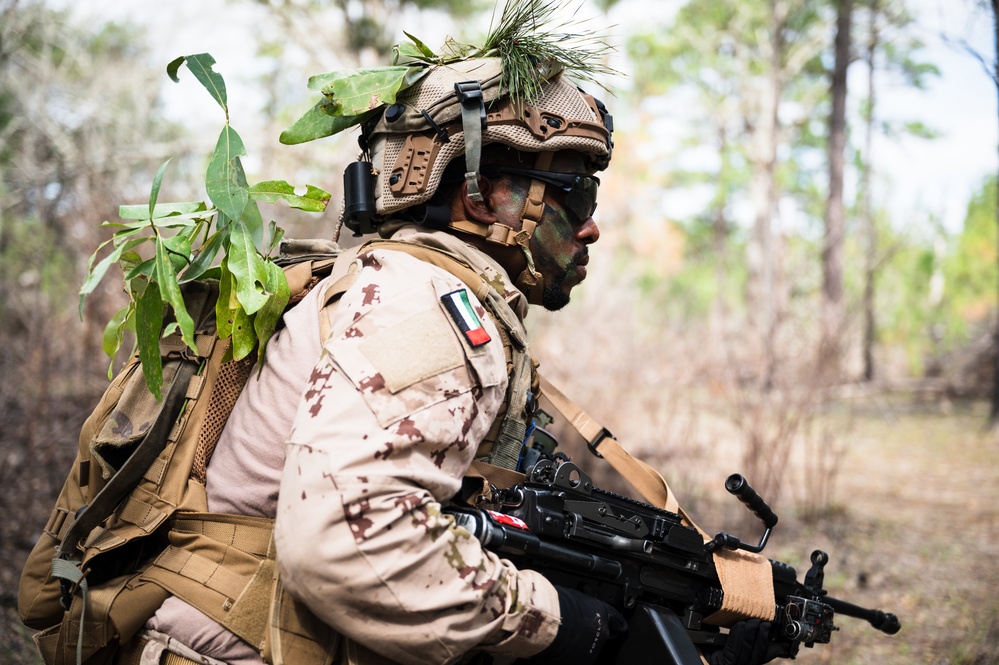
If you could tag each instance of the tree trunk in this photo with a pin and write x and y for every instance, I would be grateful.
(867, 215)
(832, 251)
(994, 412)
(761, 253)
(720, 232)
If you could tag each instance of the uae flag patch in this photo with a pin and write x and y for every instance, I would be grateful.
(461, 311)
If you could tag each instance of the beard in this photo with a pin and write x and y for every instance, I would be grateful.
(554, 296)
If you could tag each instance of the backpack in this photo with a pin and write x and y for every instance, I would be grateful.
(131, 525)
(139, 463)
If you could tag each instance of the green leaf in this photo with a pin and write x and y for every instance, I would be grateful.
(405, 53)
(129, 260)
(243, 336)
(223, 307)
(148, 323)
(319, 122)
(161, 210)
(221, 179)
(118, 331)
(248, 269)
(93, 257)
(212, 273)
(201, 66)
(154, 193)
(167, 279)
(171, 222)
(143, 269)
(363, 90)
(272, 191)
(265, 321)
(120, 237)
(97, 274)
(180, 243)
(276, 233)
(179, 247)
(251, 212)
(205, 258)
(423, 48)
(111, 341)
(321, 82)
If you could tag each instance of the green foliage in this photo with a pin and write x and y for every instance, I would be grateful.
(971, 271)
(356, 92)
(686, 295)
(531, 45)
(688, 292)
(160, 246)
(906, 313)
(938, 292)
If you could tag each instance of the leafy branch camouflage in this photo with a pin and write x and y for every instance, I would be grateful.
(531, 44)
(182, 242)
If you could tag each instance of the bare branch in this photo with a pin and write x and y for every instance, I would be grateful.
(963, 45)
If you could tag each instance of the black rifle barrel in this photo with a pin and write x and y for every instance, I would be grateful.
(884, 621)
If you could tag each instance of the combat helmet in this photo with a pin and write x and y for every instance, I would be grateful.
(427, 110)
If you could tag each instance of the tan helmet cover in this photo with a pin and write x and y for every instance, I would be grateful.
(415, 140)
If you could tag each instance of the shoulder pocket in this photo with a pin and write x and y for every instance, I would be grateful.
(407, 354)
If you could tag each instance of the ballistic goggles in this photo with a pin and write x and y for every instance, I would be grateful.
(580, 190)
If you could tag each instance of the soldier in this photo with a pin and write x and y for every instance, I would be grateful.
(397, 372)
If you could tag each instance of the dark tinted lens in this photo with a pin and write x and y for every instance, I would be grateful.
(580, 190)
(581, 200)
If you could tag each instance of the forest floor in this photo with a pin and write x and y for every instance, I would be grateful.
(911, 526)
(914, 532)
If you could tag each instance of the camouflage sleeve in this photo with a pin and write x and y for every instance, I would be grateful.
(387, 426)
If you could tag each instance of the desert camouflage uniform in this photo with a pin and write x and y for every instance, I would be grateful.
(389, 420)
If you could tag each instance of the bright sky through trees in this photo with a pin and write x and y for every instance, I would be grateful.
(916, 176)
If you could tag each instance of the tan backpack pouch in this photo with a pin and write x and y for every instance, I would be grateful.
(115, 611)
(38, 593)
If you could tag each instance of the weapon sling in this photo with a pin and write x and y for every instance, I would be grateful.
(649, 482)
(747, 579)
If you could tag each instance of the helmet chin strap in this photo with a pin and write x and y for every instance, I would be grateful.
(530, 281)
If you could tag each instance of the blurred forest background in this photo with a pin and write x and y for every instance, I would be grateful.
(784, 285)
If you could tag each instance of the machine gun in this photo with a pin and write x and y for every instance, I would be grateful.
(645, 562)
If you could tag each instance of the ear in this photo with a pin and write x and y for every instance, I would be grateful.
(479, 211)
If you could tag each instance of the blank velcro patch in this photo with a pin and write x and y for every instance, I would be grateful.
(461, 311)
(412, 350)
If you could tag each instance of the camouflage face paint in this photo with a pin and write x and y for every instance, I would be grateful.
(558, 256)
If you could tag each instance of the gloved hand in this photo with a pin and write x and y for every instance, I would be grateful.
(747, 644)
(587, 624)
